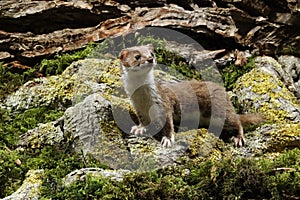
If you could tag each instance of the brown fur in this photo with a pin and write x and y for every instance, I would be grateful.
(205, 103)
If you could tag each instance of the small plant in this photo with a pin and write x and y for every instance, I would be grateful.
(10, 81)
(61, 62)
(231, 73)
(290, 50)
(228, 178)
(11, 127)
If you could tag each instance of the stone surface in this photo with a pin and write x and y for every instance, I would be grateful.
(261, 91)
(291, 73)
(278, 137)
(30, 188)
(45, 134)
(100, 118)
(75, 83)
(270, 138)
(81, 175)
(95, 131)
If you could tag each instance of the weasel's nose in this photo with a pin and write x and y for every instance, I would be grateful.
(150, 60)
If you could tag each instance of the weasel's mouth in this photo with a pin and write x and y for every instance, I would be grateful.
(145, 66)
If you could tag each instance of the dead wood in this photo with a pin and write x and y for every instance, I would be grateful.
(31, 30)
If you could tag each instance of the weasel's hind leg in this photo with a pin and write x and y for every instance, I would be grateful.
(239, 140)
(233, 130)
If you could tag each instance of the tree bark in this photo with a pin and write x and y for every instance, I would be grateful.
(31, 30)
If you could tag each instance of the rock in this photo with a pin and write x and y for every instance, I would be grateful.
(291, 76)
(272, 138)
(95, 131)
(81, 175)
(45, 134)
(288, 72)
(99, 121)
(30, 188)
(150, 155)
(278, 137)
(80, 79)
(90, 124)
(261, 91)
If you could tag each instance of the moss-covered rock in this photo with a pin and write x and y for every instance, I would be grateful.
(278, 137)
(260, 92)
(30, 188)
(270, 138)
(82, 175)
(50, 133)
(80, 79)
(148, 154)
(84, 124)
(76, 150)
(287, 69)
(223, 179)
(95, 131)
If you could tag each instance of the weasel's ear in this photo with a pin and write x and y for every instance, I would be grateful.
(123, 54)
(150, 46)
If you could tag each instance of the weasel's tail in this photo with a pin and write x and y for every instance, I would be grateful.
(251, 119)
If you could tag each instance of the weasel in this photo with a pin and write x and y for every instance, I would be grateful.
(159, 106)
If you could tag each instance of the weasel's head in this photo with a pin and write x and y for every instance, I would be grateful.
(138, 58)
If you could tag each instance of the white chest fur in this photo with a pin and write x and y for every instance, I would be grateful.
(135, 79)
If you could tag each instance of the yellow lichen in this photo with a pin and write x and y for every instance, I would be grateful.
(284, 136)
(270, 92)
(31, 184)
(202, 144)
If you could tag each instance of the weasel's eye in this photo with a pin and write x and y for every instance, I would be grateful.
(152, 54)
(137, 57)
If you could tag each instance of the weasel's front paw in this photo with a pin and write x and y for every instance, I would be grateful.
(167, 142)
(238, 141)
(138, 130)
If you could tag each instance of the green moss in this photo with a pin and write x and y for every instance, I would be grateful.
(110, 129)
(290, 50)
(11, 79)
(175, 65)
(202, 145)
(227, 178)
(62, 61)
(110, 75)
(231, 73)
(11, 174)
(11, 127)
(56, 161)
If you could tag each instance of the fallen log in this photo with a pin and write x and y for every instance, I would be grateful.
(31, 30)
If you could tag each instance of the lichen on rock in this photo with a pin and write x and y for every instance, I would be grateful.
(30, 189)
(98, 124)
(80, 79)
(259, 91)
(281, 136)
(50, 133)
(271, 138)
(287, 69)
(262, 91)
(81, 175)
